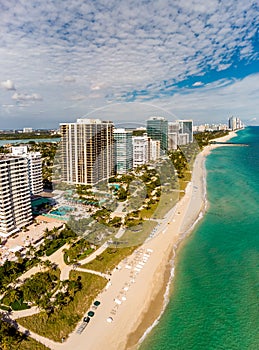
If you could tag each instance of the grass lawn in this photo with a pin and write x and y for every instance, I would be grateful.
(62, 322)
(167, 202)
(134, 236)
(30, 344)
(109, 259)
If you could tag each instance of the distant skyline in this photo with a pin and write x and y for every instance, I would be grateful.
(128, 60)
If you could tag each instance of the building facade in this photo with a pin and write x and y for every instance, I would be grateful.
(154, 150)
(34, 168)
(235, 123)
(186, 127)
(157, 129)
(173, 133)
(15, 199)
(87, 151)
(141, 150)
(123, 151)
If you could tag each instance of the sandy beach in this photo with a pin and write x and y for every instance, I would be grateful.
(135, 296)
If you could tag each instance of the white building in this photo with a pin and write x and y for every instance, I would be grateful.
(123, 150)
(34, 168)
(154, 150)
(183, 139)
(235, 123)
(173, 133)
(141, 150)
(27, 130)
(87, 151)
(15, 199)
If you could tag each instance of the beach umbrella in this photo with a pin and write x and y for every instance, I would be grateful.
(90, 313)
(97, 303)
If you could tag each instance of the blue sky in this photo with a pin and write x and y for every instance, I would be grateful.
(127, 60)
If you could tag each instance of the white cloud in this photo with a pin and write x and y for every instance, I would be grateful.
(197, 83)
(117, 47)
(217, 101)
(25, 97)
(8, 85)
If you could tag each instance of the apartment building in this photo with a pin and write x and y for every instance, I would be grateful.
(34, 168)
(87, 151)
(123, 151)
(15, 199)
(157, 129)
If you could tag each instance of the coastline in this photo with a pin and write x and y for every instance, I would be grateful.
(137, 297)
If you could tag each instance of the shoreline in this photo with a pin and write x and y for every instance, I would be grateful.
(140, 286)
(168, 286)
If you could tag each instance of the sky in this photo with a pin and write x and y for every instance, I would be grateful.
(127, 60)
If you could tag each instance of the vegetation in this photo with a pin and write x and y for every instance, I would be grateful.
(139, 132)
(29, 135)
(4, 149)
(77, 251)
(203, 138)
(136, 235)
(62, 321)
(109, 259)
(37, 290)
(10, 338)
(11, 270)
(55, 240)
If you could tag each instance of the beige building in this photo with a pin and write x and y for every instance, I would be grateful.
(87, 151)
(15, 199)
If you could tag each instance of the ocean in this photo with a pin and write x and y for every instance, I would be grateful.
(214, 296)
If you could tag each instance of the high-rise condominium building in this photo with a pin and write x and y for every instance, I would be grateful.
(34, 168)
(173, 134)
(157, 129)
(15, 199)
(154, 149)
(123, 151)
(235, 123)
(87, 151)
(186, 127)
(141, 150)
(144, 150)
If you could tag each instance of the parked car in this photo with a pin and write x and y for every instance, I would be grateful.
(86, 319)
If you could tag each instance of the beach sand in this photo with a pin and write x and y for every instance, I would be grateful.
(135, 297)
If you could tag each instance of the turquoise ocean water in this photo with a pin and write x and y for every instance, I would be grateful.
(215, 295)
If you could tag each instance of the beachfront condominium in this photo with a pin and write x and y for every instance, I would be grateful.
(157, 129)
(123, 150)
(186, 127)
(235, 123)
(34, 168)
(87, 151)
(15, 199)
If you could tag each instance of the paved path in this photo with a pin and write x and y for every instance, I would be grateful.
(93, 272)
(94, 254)
(47, 342)
(24, 313)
